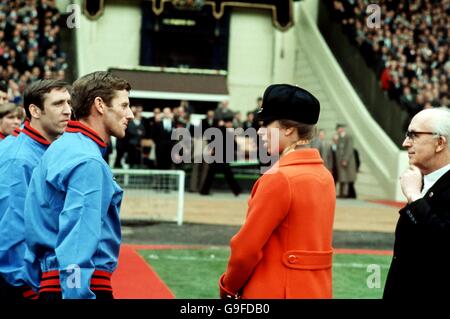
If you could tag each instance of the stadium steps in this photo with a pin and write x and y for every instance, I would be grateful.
(308, 66)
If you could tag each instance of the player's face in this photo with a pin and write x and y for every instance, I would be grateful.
(10, 122)
(118, 114)
(56, 113)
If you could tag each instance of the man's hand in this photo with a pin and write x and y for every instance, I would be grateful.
(411, 183)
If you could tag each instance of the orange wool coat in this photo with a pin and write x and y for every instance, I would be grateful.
(284, 249)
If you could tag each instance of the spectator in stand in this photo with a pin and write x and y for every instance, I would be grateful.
(3, 93)
(162, 135)
(29, 42)
(223, 111)
(249, 120)
(237, 122)
(209, 121)
(135, 132)
(259, 101)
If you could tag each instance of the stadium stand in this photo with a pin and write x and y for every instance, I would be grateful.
(29, 44)
(409, 51)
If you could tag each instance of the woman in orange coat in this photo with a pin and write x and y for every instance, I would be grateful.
(284, 249)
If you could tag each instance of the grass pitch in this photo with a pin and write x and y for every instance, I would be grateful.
(194, 273)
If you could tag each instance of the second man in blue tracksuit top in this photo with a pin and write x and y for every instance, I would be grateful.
(48, 110)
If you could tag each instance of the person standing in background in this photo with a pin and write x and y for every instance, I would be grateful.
(345, 160)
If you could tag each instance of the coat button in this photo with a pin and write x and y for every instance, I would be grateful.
(431, 194)
(292, 259)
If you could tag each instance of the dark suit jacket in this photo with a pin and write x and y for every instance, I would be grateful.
(421, 263)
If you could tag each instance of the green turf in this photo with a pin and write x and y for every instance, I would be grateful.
(193, 273)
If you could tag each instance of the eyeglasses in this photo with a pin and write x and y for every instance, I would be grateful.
(412, 134)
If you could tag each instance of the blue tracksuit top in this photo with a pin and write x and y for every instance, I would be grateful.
(19, 158)
(8, 140)
(72, 213)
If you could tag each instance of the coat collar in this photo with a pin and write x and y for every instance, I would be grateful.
(78, 127)
(34, 134)
(301, 156)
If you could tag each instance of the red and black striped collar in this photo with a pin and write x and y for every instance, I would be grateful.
(78, 127)
(16, 131)
(34, 134)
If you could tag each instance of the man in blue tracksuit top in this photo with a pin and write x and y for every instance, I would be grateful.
(72, 206)
(9, 139)
(48, 112)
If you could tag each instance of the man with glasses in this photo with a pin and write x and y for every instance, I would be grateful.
(420, 266)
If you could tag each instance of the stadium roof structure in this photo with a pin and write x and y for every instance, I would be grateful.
(175, 84)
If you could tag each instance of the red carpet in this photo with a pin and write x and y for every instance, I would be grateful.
(389, 203)
(135, 279)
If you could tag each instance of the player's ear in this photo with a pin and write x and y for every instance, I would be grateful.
(99, 105)
(35, 111)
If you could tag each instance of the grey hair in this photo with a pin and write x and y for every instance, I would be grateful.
(442, 122)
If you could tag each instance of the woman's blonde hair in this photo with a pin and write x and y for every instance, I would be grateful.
(304, 131)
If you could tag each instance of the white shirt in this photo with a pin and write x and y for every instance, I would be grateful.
(430, 179)
(167, 124)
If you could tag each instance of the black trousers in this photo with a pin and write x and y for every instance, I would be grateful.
(12, 293)
(229, 177)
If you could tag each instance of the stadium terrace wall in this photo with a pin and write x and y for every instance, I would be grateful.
(388, 114)
(258, 54)
(113, 40)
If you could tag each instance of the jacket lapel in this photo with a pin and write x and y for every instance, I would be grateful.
(441, 184)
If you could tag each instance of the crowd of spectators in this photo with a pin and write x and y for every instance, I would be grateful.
(29, 44)
(148, 142)
(409, 49)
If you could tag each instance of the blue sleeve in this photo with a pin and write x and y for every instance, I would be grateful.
(12, 227)
(87, 193)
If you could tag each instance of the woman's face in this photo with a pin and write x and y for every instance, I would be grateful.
(273, 137)
(10, 122)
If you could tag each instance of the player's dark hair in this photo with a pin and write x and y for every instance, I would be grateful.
(97, 84)
(36, 91)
